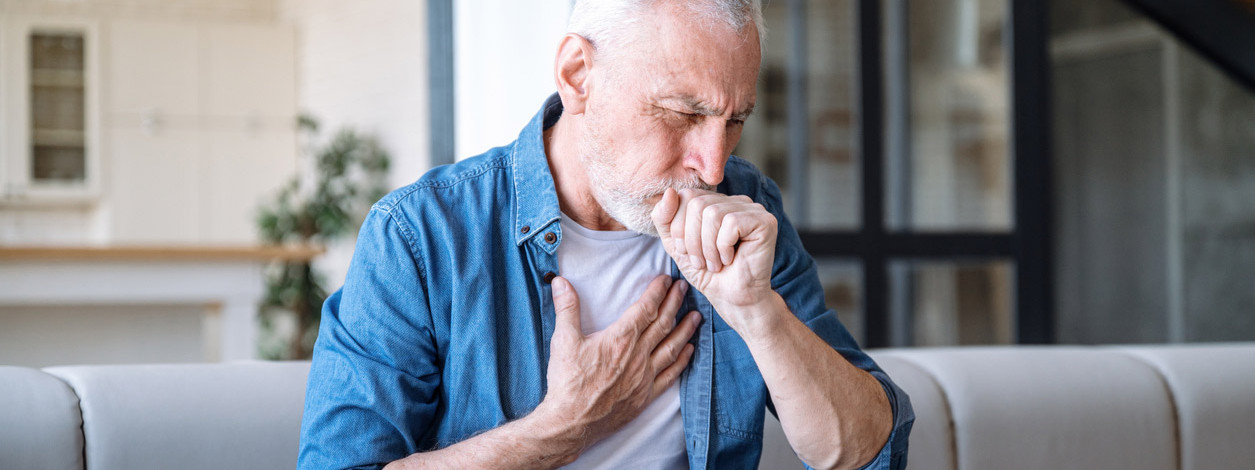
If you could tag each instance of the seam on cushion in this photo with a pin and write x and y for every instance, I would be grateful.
(82, 420)
(945, 398)
(1172, 401)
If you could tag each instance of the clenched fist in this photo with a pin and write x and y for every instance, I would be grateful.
(724, 245)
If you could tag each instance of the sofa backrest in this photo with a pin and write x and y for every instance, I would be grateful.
(39, 422)
(189, 416)
(1189, 407)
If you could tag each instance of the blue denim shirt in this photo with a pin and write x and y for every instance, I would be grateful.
(442, 328)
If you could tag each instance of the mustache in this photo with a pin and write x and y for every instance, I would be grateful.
(656, 188)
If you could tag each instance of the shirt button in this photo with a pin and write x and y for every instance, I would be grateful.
(550, 237)
(525, 229)
(549, 277)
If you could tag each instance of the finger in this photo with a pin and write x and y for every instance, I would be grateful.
(641, 314)
(668, 376)
(712, 219)
(678, 223)
(566, 305)
(666, 315)
(693, 231)
(726, 240)
(663, 214)
(669, 349)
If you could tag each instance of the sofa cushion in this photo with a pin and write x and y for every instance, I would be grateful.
(40, 426)
(1047, 408)
(1213, 387)
(190, 416)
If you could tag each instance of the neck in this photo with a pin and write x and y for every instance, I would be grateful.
(570, 178)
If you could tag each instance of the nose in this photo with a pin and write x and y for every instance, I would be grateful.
(708, 151)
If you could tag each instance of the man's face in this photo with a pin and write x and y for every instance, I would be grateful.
(667, 112)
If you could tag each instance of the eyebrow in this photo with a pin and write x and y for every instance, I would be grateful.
(698, 107)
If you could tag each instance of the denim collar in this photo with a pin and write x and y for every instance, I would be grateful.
(535, 196)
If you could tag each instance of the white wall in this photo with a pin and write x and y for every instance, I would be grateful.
(503, 67)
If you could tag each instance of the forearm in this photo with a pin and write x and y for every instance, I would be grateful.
(534, 441)
(834, 414)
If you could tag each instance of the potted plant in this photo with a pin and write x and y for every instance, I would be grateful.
(324, 203)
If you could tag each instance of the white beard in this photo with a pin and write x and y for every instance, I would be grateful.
(625, 200)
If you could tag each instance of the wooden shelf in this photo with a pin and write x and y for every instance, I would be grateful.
(160, 253)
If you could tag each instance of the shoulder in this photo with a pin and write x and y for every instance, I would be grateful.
(445, 184)
(446, 202)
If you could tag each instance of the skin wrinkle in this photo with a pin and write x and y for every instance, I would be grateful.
(624, 188)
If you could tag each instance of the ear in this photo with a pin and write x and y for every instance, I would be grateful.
(570, 72)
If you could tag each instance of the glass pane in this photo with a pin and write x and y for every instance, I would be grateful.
(58, 147)
(1154, 150)
(822, 189)
(1109, 161)
(57, 51)
(843, 291)
(54, 107)
(58, 163)
(1080, 15)
(948, 303)
(1217, 201)
(952, 162)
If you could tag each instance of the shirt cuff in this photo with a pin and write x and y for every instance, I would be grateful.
(893, 455)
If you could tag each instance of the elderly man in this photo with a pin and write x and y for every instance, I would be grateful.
(611, 290)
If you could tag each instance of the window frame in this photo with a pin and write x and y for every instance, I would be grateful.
(1027, 245)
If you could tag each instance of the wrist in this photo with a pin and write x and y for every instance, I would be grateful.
(758, 319)
(556, 432)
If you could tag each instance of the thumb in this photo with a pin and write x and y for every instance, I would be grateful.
(566, 304)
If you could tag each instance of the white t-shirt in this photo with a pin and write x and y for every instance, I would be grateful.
(610, 270)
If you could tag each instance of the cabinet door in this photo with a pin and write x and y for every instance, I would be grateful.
(153, 119)
(153, 71)
(153, 192)
(50, 147)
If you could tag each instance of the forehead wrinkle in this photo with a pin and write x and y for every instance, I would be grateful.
(699, 106)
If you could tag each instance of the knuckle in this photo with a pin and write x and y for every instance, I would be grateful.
(671, 352)
(710, 212)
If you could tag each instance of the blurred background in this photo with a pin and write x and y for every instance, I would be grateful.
(964, 171)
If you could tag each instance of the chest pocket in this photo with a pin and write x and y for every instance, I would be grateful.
(740, 395)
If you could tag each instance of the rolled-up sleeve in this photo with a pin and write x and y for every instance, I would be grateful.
(796, 279)
(372, 390)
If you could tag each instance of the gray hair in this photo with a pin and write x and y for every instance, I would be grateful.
(604, 22)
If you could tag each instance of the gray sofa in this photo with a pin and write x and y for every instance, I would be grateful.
(1154, 407)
